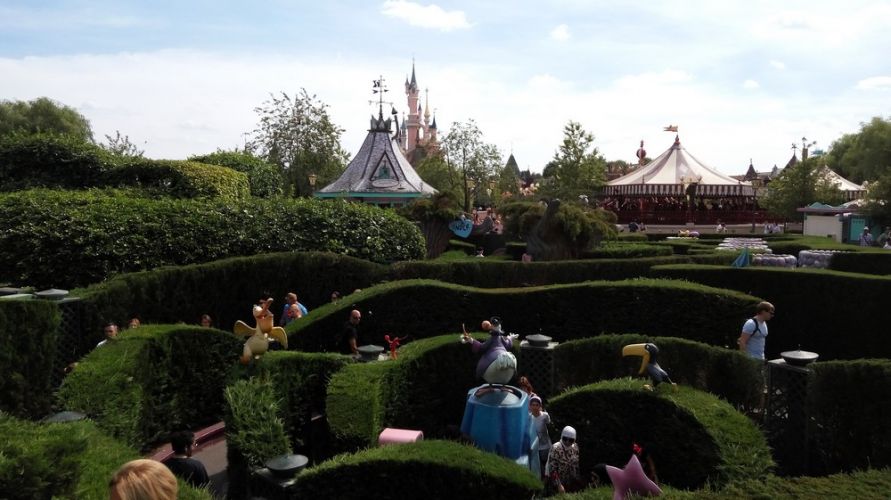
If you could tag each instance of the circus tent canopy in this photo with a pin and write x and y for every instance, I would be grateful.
(671, 172)
(852, 190)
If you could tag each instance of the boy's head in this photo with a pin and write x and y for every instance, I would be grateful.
(181, 442)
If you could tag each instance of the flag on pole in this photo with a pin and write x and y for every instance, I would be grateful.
(671, 128)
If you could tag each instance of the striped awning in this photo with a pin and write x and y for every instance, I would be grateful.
(707, 190)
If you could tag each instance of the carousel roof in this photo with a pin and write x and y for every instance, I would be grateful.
(378, 169)
(670, 172)
(841, 182)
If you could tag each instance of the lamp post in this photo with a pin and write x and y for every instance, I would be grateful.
(756, 183)
(492, 185)
(471, 185)
(312, 182)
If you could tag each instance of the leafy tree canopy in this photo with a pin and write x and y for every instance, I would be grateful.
(43, 115)
(865, 155)
(577, 167)
(473, 161)
(265, 179)
(297, 134)
(798, 186)
(121, 145)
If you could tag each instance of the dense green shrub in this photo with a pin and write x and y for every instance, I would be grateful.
(179, 179)
(254, 430)
(425, 389)
(723, 372)
(811, 310)
(28, 335)
(300, 382)
(561, 311)
(265, 179)
(848, 406)
(225, 289)
(70, 460)
(862, 262)
(152, 380)
(693, 437)
(68, 239)
(626, 251)
(427, 469)
(489, 273)
(48, 160)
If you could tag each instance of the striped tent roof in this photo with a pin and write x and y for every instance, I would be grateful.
(668, 173)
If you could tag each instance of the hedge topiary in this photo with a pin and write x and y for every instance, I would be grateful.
(69, 239)
(67, 460)
(723, 372)
(425, 388)
(489, 273)
(152, 380)
(426, 469)
(254, 430)
(862, 262)
(179, 179)
(693, 437)
(564, 312)
(627, 251)
(848, 405)
(265, 179)
(812, 310)
(28, 336)
(225, 289)
(49, 160)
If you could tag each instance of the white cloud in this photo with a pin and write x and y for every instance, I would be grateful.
(750, 84)
(875, 82)
(425, 16)
(780, 65)
(561, 33)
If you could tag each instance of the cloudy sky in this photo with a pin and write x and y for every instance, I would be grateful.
(741, 79)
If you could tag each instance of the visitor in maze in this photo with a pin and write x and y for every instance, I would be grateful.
(182, 464)
(206, 321)
(754, 331)
(562, 469)
(540, 421)
(290, 300)
(349, 338)
(111, 333)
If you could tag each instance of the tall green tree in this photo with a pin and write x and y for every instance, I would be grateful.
(878, 200)
(121, 145)
(798, 186)
(43, 115)
(470, 160)
(865, 155)
(577, 167)
(297, 134)
(435, 171)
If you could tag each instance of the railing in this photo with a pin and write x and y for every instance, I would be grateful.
(702, 217)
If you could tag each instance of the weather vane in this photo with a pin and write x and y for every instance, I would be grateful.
(378, 87)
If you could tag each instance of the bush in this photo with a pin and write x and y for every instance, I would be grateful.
(28, 336)
(69, 460)
(425, 389)
(69, 239)
(560, 311)
(254, 430)
(693, 437)
(862, 262)
(723, 372)
(265, 179)
(179, 179)
(809, 307)
(48, 160)
(175, 294)
(627, 251)
(152, 380)
(848, 405)
(427, 469)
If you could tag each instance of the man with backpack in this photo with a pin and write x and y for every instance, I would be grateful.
(754, 331)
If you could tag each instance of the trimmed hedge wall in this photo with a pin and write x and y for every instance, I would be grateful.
(425, 388)
(848, 404)
(69, 239)
(486, 273)
(726, 373)
(693, 437)
(427, 469)
(152, 380)
(70, 460)
(28, 336)
(561, 311)
(225, 289)
(626, 251)
(838, 315)
(179, 179)
(265, 179)
(862, 262)
(55, 161)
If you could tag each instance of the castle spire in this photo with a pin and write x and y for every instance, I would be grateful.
(426, 106)
(414, 81)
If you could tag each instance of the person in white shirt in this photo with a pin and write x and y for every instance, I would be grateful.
(540, 421)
